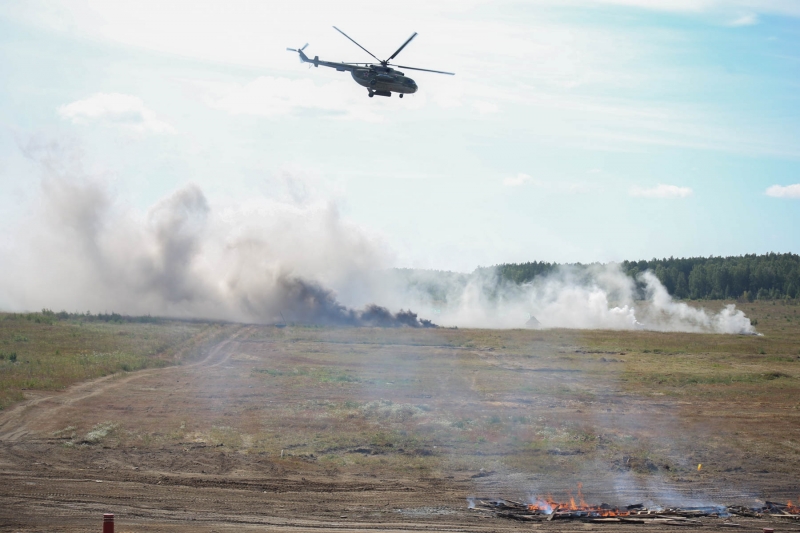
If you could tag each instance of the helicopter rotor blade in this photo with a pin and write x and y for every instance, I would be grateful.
(355, 43)
(292, 49)
(426, 70)
(403, 46)
(304, 47)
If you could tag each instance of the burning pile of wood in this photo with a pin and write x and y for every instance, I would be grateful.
(548, 509)
(782, 511)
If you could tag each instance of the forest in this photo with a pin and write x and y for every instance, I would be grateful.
(747, 277)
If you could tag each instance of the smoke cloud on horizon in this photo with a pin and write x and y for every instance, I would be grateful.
(265, 260)
(588, 297)
(257, 261)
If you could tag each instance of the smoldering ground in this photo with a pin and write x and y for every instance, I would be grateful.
(292, 258)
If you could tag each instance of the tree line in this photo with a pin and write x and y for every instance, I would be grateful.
(48, 316)
(746, 277)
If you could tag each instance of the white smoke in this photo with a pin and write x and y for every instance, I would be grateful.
(665, 314)
(84, 249)
(591, 297)
(188, 256)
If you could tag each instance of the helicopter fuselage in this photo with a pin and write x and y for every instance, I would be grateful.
(378, 79)
(384, 79)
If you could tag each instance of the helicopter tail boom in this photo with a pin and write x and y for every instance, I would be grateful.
(317, 62)
(305, 59)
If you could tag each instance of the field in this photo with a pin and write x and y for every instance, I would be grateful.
(224, 428)
(39, 351)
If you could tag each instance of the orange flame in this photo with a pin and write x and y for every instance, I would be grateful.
(547, 505)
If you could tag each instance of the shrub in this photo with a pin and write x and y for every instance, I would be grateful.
(99, 432)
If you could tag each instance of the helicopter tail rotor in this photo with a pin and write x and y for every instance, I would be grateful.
(303, 58)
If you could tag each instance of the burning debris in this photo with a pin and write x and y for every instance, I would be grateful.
(780, 510)
(547, 509)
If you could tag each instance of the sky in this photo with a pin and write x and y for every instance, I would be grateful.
(573, 130)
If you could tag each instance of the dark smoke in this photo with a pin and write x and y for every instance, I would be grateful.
(375, 315)
(177, 224)
(307, 302)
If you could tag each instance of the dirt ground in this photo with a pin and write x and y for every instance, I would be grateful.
(300, 429)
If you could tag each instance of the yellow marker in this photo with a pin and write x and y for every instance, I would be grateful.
(699, 466)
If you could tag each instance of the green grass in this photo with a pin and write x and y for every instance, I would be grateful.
(321, 375)
(42, 352)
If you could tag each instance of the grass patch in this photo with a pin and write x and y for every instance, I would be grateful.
(320, 375)
(687, 379)
(44, 352)
(99, 432)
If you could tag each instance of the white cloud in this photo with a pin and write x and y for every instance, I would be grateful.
(581, 188)
(748, 19)
(484, 108)
(780, 191)
(123, 110)
(269, 96)
(553, 186)
(517, 180)
(780, 7)
(662, 191)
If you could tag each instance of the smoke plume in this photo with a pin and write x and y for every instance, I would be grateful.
(295, 259)
(593, 297)
(263, 260)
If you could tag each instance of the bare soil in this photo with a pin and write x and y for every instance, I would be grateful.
(302, 429)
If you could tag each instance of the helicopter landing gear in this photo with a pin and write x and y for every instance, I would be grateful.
(371, 94)
(400, 95)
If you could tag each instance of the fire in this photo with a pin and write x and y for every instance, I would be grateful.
(548, 505)
(794, 509)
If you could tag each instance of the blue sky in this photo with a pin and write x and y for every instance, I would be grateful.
(573, 131)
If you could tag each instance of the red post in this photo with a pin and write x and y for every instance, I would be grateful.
(108, 523)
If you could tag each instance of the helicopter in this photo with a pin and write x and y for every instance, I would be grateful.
(379, 78)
